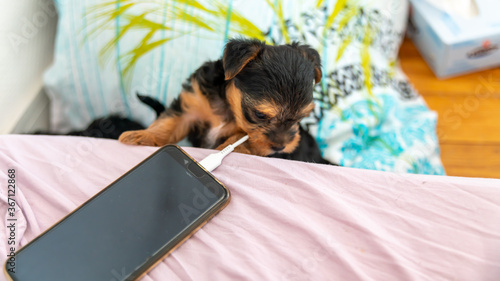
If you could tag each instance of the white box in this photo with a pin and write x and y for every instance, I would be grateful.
(452, 44)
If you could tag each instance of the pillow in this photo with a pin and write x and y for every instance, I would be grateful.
(367, 114)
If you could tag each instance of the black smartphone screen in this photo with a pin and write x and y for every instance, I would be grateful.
(121, 229)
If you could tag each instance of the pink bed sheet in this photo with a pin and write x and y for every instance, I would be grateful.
(287, 220)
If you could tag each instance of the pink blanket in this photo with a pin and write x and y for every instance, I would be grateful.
(286, 221)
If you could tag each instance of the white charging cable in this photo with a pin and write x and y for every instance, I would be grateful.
(212, 161)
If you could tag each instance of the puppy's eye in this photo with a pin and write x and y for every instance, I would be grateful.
(259, 115)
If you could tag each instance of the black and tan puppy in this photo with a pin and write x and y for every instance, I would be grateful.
(255, 89)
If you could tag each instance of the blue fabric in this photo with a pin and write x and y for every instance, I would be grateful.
(401, 138)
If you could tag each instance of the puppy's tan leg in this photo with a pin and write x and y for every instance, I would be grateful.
(174, 125)
(164, 130)
(171, 127)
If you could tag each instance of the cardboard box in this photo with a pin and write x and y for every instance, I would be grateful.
(452, 44)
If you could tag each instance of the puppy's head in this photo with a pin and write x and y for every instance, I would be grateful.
(270, 91)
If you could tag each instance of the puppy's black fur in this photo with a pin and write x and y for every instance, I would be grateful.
(108, 128)
(113, 126)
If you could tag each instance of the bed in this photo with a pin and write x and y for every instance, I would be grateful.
(287, 220)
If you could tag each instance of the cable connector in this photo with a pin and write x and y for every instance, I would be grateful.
(212, 161)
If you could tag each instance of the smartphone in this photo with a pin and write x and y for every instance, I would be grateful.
(129, 226)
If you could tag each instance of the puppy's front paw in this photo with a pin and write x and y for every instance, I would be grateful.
(139, 137)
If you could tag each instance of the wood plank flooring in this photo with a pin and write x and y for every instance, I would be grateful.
(468, 107)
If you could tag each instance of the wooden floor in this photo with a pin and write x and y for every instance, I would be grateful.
(469, 115)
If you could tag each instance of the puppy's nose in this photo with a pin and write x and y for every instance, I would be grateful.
(278, 148)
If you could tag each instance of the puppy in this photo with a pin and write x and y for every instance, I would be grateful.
(255, 89)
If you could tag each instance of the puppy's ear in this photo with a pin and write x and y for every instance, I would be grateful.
(237, 54)
(312, 55)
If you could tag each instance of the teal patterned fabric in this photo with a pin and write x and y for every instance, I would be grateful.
(400, 138)
(367, 114)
